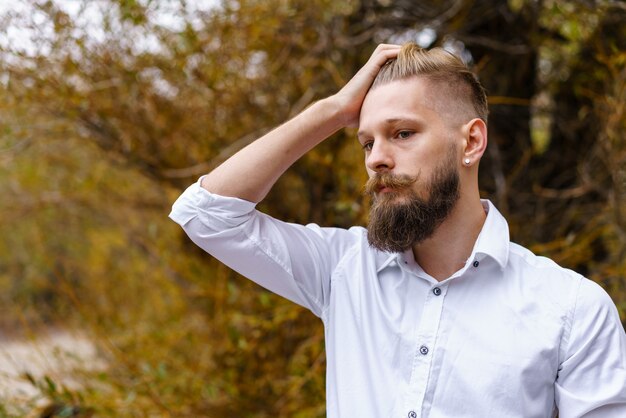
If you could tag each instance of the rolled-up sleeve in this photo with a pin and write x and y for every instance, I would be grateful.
(592, 377)
(291, 260)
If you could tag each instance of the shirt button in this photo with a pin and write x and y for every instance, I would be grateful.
(424, 350)
(412, 414)
(476, 263)
(436, 291)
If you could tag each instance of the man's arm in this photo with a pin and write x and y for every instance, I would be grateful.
(251, 173)
(291, 260)
(591, 380)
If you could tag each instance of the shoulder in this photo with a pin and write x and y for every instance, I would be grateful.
(547, 269)
(338, 242)
(341, 238)
(531, 260)
(543, 281)
(577, 293)
(532, 267)
(352, 248)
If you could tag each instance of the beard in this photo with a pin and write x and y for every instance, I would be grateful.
(400, 219)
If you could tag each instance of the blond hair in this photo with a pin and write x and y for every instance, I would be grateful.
(445, 69)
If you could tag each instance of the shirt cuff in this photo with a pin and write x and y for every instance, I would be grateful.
(196, 201)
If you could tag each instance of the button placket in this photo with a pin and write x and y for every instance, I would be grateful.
(426, 337)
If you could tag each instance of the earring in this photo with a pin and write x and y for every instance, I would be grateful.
(467, 161)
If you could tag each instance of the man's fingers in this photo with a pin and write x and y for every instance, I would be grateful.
(386, 51)
(382, 54)
(381, 47)
(352, 94)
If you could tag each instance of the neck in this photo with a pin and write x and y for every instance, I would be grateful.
(448, 249)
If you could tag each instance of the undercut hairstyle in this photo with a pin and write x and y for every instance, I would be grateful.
(452, 78)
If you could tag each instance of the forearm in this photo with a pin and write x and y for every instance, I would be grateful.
(251, 172)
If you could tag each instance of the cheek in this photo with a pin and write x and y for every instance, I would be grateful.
(412, 163)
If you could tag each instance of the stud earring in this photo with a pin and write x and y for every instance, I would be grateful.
(467, 161)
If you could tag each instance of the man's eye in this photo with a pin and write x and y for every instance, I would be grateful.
(404, 134)
(368, 146)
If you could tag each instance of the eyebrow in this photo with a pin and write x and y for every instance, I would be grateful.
(392, 121)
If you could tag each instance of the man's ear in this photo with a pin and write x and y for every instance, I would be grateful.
(475, 141)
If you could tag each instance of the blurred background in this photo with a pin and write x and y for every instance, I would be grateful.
(110, 108)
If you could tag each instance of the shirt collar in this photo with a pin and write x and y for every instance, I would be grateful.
(493, 241)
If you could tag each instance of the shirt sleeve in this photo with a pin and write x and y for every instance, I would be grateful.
(592, 376)
(294, 261)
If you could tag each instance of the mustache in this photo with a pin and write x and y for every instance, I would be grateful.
(392, 181)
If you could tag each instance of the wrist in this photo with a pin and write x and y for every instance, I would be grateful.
(335, 112)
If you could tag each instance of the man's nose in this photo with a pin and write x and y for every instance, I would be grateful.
(380, 157)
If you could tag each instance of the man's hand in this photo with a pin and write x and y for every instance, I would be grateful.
(351, 96)
(251, 172)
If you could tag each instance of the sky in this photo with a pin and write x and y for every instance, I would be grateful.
(88, 13)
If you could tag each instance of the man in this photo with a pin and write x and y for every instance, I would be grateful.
(431, 312)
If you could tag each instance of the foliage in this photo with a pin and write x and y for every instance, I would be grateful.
(110, 110)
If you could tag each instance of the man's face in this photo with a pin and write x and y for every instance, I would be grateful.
(411, 157)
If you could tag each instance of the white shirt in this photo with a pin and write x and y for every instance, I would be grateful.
(510, 334)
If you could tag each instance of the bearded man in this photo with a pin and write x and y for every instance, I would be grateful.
(431, 311)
